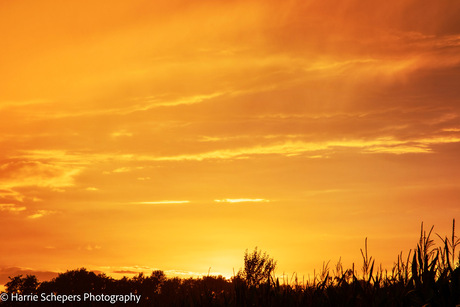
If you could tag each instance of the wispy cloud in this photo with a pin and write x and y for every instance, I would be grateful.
(59, 169)
(11, 195)
(365, 66)
(451, 130)
(155, 102)
(389, 145)
(40, 214)
(90, 247)
(11, 208)
(143, 104)
(288, 149)
(161, 202)
(399, 149)
(241, 200)
(36, 173)
(23, 103)
(121, 133)
(122, 170)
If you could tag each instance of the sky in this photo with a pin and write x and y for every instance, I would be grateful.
(174, 135)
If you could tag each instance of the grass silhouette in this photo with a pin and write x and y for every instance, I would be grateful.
(428, 276)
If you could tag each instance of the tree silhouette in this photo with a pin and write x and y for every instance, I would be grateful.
(258, 268)
(23, 285)
(79, 281)
(149, 287)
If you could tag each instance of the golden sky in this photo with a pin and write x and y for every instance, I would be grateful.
(173, 135)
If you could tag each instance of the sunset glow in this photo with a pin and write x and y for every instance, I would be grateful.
(174, 135)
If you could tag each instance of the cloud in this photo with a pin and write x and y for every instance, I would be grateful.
(357, 26)
(11, 208)
(125, 272)
(399, 149)
(451, 130)
(39, 214)
(288, 149)
(241, 200)
(390, 145)
(35, 173)
(142, 104)
(161, 202)
(60, 170)
(120, 133)
(122, 170)
(60, 157)
(11, 195)
(125, 169)
(135, 269)
(156, 102)
(21, 104)
(91, 247)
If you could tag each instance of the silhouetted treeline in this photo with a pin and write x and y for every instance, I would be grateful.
(427, 276)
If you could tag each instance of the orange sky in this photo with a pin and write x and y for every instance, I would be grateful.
(140, 135)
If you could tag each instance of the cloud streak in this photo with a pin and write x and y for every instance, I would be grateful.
(389, 145)
(241, 200)
(162, 202)
(39, 214)
(12, 208)
(35, 173)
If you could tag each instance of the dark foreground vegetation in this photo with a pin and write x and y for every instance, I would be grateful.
(428, 276)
